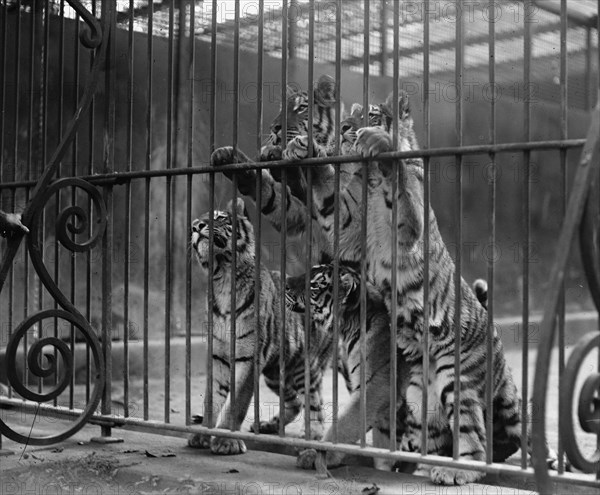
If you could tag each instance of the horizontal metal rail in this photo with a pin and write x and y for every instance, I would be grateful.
(169, 429)
(117, 178)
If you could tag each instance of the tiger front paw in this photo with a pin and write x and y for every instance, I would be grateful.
(227, 155)
(371, 141)
(297, 149)
(270, 153)
(199, 441)
(227, 446)
(452, 476)
(222, 156)
(308, 458)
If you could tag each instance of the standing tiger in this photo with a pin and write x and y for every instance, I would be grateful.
(377, 362)
(268, 326)
(370, 142)
(297, 125)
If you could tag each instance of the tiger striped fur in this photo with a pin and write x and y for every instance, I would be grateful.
(272, 195)
(370, 142)
(269, 325)
(377, 362)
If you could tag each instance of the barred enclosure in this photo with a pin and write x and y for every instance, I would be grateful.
(110, 113)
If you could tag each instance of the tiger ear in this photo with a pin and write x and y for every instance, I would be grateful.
(356, 110)
(240, 207)
(324, 91)
(290, 91)
(403, 105)
(347, 284)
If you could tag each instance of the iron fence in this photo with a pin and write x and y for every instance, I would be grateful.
(107, 279)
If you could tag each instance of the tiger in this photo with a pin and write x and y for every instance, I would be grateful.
(324, 102)
(269, 327)
(369, 143)
(377, 362)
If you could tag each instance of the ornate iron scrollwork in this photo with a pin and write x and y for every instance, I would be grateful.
(588, 410)
(580, 215)
(73, 220)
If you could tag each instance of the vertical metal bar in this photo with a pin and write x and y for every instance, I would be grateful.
(364, 254)
(526, 230)
(127, 226)
(15, 151)
(292, 28)
(43, 138)
(257, 221)
(169, 212)
(598, 100)
(88, 274)
(460, 47)
(426, 163)
(73, 271)
(30, 166)
(588, 68)
(190, 163)
(61, 46)
(208, 413)
(492, 242)
(107, 239)
(149, 130)
(564, 95)
(283, 237)
(336, 220)
(4, 72)
(234, 218)
(309, 208)
(384, 44)
(394, 289)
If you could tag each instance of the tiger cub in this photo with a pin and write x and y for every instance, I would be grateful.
(377, 361)
(268, 327)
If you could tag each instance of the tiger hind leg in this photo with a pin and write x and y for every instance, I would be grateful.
(470, 443)
(291, 409)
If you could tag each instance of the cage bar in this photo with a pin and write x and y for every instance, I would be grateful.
(489, 431)
(363, 230)
(526, 231)
(258, 220)
(563, 165)
(426, 223)
(283, 236)
(458, 160)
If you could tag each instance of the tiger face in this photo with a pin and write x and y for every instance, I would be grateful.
(381, 116)
(223, 236)
(321, 291)
(296, 108)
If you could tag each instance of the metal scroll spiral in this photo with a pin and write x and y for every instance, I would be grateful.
(41, 356)
(588, 403)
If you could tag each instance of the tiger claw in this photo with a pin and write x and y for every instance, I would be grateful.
(371, 141)
(222, 156)
(199, 441)
(451, 476)
(227, 446)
